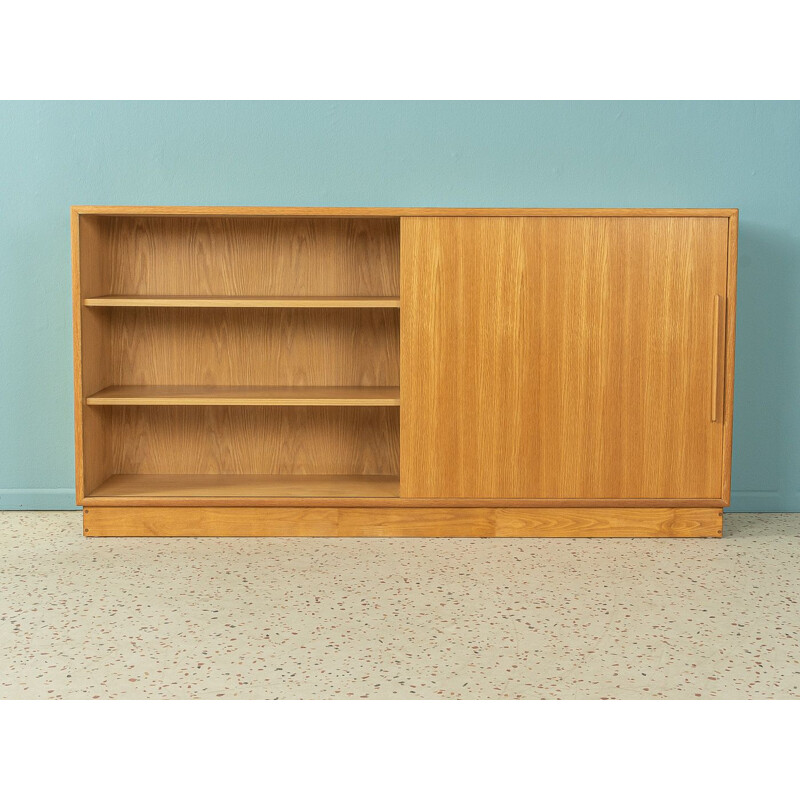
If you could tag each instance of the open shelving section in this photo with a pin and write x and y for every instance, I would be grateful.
(230, 357)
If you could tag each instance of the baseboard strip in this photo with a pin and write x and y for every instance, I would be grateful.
(420, 522)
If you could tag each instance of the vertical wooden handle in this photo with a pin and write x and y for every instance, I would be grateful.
(718, 359)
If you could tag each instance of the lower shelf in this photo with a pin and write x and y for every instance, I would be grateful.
(467, 522)
(199, 486)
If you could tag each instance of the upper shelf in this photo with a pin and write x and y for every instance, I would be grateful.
(246, 396)
(219, 301)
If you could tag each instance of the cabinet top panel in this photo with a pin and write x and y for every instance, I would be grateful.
(293, 211)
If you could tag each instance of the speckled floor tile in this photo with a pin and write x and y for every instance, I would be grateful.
(399, 618)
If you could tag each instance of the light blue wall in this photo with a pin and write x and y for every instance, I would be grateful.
(722, 154)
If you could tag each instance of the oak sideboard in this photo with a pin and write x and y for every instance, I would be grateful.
(403, 371)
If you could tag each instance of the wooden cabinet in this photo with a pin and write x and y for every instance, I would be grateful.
(404, 371)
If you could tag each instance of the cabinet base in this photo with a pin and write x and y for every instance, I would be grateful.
(349, 522)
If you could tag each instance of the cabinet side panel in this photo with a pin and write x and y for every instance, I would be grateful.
(730, 341)
(91, 350)
(77, 306)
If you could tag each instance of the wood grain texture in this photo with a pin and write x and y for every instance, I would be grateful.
(249, 256)
(209, 521)
(90, 347)
(370, 212)
(250, 440)
(357, 522)
(77, 351)
(222, 262)
(559, 357)
(246, 396)
(124, 487)
(251, 347)
(730, 342)
(221, 301)
(614, 522)
(341, 500)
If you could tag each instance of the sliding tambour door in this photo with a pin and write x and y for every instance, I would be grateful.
(562, 357)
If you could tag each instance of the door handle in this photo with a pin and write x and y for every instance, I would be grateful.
(718, 359)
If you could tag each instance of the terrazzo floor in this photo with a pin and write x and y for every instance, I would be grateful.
(399, 618)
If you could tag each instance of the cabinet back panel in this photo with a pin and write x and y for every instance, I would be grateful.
(252, 256)
(258, 347)
(253, 440)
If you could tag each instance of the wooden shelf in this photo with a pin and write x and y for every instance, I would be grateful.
(219, 301)
(126, 486)
(188, 386)
(246, 396)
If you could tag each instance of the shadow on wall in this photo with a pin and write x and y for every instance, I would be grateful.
(767, 354)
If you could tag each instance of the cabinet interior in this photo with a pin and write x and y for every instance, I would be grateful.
(240, 356)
